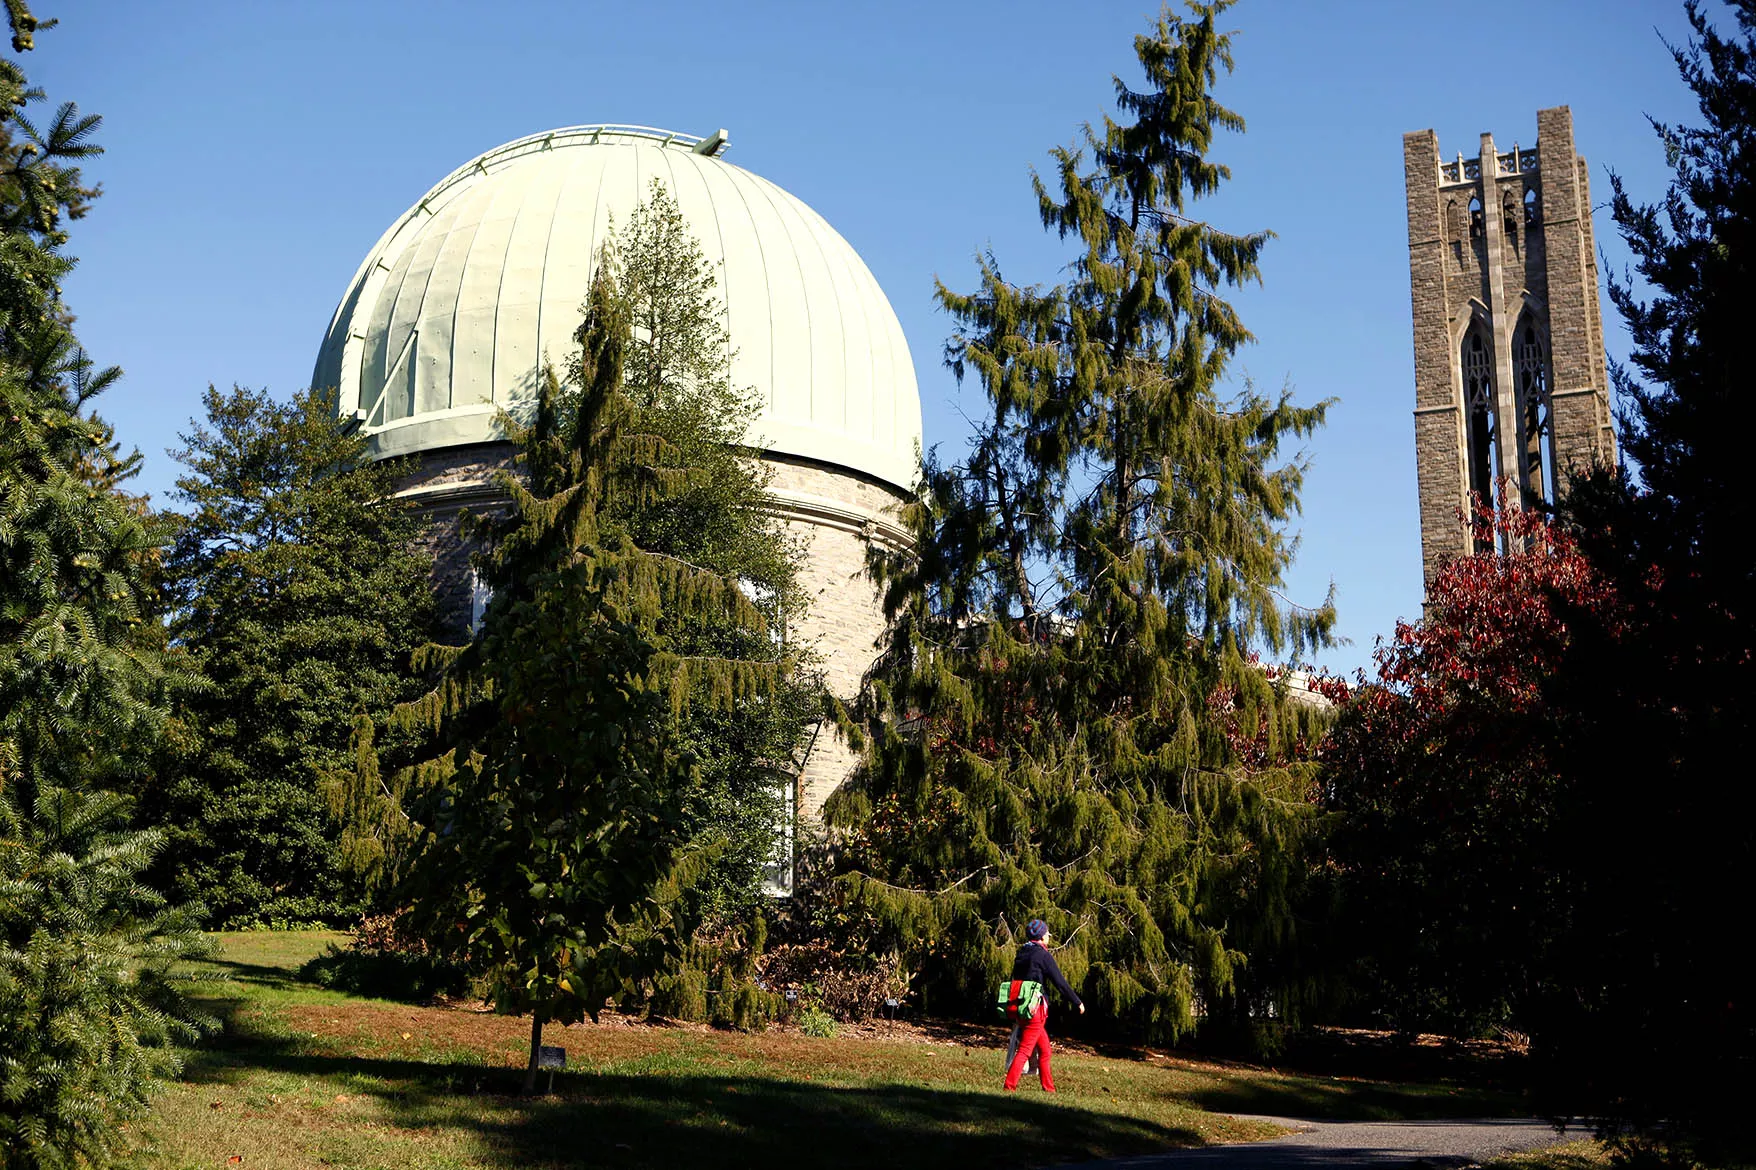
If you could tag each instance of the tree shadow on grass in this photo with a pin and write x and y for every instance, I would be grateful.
(679, 1120)
(218, 971)
(1351, 1100)
(721, 1121)
(673, 1116)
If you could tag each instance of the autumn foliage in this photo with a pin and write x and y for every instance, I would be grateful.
(1444, 770)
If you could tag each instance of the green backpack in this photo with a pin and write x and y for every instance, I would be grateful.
(1019, 998)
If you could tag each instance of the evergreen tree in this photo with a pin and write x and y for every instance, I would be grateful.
(612, 735)
(79, 676)
(84, 1009)
(86, 951)
(300, 593)
(716, 514)
(1073, 661)
(1649, 1021)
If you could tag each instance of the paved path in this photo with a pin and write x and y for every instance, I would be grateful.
(1358, 1145)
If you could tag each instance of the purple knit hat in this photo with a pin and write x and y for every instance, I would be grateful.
(1037, 929)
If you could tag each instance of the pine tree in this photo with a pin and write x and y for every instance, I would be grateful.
(84, 945)
(1648, 1021)
(1074, 651)
(717, 515)
(609, 736)
(79, 680)
(299, 592)
(86, 951)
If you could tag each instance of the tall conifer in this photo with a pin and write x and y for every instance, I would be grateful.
(79, 678)
(299, 592)
(86, 1013)
(1647, 1017)
(1058, 716)
(612, 734)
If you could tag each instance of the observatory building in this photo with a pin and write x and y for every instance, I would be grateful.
(455, 310)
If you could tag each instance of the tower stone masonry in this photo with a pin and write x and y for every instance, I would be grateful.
(1511, 390)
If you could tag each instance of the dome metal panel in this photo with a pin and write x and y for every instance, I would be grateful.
(454, 311)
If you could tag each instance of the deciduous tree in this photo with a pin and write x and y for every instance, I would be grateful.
(1548, 787)
(1452, 841)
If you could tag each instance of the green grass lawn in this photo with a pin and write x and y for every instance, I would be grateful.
(305, 1077)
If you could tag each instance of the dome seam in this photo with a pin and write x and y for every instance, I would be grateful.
(738, 175)
(463, 275)
(452, 208)
(810, 340)
(500, 297)
(597, 198)
(813, 225)
(457, 298)
(404, 260)
(708, 177)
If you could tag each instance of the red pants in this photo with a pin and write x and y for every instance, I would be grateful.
(1036, 1036)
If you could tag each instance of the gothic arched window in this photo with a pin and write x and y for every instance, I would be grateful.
(1530, 208)
(1478, 405)
(1475, 219)
(1531, 374)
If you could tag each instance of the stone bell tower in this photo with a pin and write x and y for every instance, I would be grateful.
(1510, 384)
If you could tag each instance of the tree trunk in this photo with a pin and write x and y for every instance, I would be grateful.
(536, 1046)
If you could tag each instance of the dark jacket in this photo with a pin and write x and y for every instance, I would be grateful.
(1034, 962)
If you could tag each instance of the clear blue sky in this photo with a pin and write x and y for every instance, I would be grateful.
(256, 150)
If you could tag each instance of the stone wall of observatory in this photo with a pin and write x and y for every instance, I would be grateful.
(442, 485)
(836, 513)
(832, 511)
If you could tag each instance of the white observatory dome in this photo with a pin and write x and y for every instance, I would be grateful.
(457, 307)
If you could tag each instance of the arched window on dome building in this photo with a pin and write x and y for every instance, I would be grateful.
(777, 877)
(480, 594)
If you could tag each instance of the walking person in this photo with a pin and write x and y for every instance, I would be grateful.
(1035, 964)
